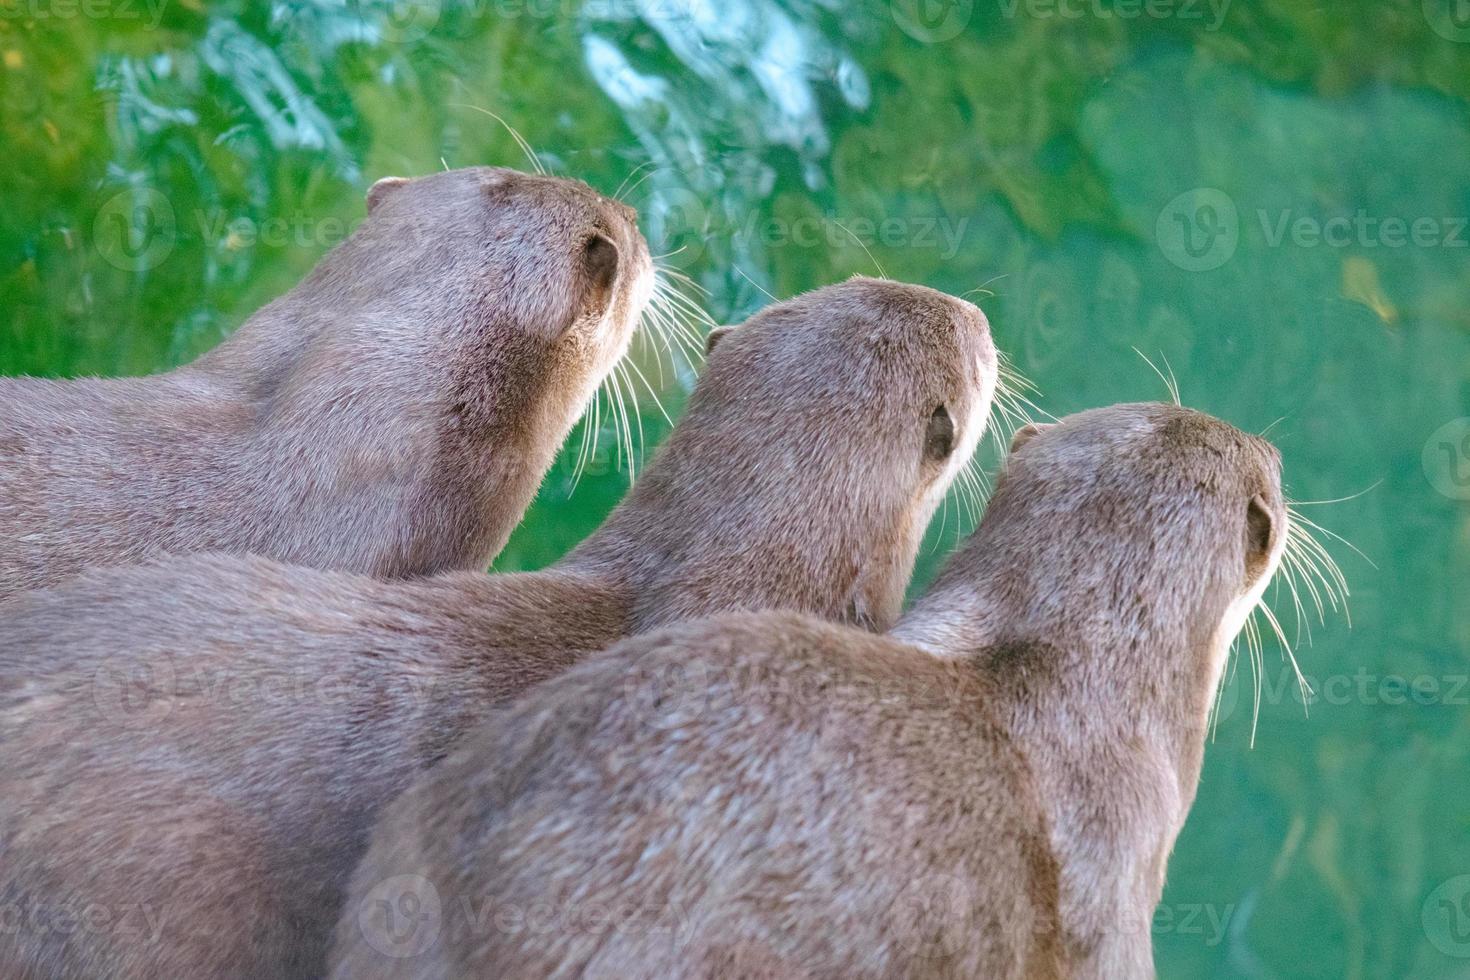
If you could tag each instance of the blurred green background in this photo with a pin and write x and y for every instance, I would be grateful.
(1271, 195)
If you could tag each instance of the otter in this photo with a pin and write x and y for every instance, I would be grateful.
(992, 790)
(392, 415)
(210, 738)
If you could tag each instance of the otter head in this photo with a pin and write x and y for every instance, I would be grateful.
(523, 289)
(1133, 530)
(815, 447)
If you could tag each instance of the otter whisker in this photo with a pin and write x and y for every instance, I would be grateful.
(624, 429)
(1273, 425)
(1010, 407)
(973, 478)
(1306, 689)
(938, 544)
(1318, 560)
(1310, 564)
(1292, 560)
(591, 427)
(651, 394)
(674, 319)
(1019, 388)
(691, 307)
(683, 278)
(1338, 500)
(981, 288)
(633, 400)
(520, 140)
(1333, 534)
(1296, 576)
(741, 272)
(676, 314)
(878, 265)
(684, 316)
(618, 194)
(639, 182)
(669, 284)
(1171, 384)
(655, 316)
(1285, 574)
(1253, 645)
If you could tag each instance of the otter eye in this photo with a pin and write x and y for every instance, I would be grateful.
(939, 437)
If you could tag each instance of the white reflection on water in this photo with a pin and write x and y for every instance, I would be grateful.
(732, 82)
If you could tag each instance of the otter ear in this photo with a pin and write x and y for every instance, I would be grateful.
(1028, 432)
(1260, 535)
(600, 262)
(715, 336)
(381, 189)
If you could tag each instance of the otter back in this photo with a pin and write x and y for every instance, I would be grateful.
(392, 415)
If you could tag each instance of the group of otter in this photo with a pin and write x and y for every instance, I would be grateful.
(263, 714)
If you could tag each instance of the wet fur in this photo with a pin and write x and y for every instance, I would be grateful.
(796, 479)
(753, 796)
(391, 415)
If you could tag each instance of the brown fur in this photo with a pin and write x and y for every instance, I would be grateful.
(391, 415)
(299, 702)
(991, 791)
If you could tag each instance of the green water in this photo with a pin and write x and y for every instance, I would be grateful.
(1271, 195)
